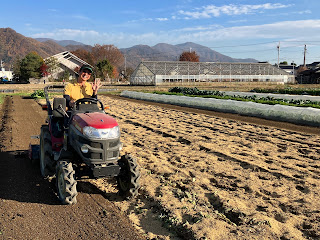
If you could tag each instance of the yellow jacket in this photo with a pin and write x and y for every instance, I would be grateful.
(75, 91)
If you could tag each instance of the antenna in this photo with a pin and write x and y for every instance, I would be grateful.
(278, 47)
(125, 65)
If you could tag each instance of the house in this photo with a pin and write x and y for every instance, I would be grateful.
(291, 69)
(5, 75)
(67, 62)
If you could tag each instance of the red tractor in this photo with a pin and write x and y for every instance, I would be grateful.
(80, 139)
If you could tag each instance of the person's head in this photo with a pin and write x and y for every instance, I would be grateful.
(85, 73)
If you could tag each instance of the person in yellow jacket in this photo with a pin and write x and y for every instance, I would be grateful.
(81, 88)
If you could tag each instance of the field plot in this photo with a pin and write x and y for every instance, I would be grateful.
(29, 208)
(213, 178)
(203, 177)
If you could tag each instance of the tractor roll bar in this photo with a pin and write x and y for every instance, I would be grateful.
(52, 88)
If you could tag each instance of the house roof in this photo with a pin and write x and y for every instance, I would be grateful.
(69, 60)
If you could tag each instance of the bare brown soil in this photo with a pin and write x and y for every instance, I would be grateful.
(209, 177)
(205, 175)
(29, 208)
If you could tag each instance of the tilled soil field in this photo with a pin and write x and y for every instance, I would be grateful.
(204, 176)
(29, 208)
(207, 177)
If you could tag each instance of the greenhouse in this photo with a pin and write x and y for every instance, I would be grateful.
(163, 72)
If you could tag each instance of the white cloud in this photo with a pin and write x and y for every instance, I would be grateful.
(231, 9)
(279, 30)
(198, 28)
(162, 19)
(304, 12)
(207, 35)
(81, 17)
(65, 34)
(141, 20)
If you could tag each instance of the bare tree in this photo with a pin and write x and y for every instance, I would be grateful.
(108, 52)
(84, 55)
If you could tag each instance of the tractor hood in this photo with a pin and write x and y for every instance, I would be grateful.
(96, 120)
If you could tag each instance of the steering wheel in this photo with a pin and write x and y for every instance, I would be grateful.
(89, 101)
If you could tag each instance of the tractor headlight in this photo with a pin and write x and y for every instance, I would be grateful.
(107, 133)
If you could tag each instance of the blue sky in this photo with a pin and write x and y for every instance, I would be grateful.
(238, 28)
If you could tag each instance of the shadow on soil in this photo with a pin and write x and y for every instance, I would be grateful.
(20, 180)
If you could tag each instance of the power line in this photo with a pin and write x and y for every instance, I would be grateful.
(244, 45)
(254, 44)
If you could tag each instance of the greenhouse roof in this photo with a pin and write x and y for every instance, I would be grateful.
(207, 68)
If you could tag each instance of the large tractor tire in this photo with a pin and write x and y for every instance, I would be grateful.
(46, 159)
(66, 183)
(129, 177)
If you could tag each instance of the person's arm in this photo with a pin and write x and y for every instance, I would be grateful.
(95, 87)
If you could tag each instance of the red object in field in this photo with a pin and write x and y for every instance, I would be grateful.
(95, 119)
(44, 107)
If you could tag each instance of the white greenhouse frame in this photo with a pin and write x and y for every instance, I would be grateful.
(164, 72)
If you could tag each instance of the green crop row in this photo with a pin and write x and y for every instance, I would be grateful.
(295, 91)
(194, 92)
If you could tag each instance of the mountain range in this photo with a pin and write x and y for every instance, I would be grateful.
(14, 45)
(168, 52)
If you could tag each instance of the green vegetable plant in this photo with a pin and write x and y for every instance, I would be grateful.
(195, 92)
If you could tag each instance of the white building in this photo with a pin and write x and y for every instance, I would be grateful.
(5, 74)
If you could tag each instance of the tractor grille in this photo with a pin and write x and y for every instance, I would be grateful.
(96, 145)
(101, 150)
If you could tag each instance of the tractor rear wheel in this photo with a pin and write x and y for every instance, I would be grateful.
(129, 177)
(66, 183)
(46, 161)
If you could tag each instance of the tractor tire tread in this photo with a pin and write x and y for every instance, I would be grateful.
(70, 190)
(134, 173)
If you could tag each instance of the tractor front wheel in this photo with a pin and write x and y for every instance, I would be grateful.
(66, 183)
(46, 161)
(129, 177)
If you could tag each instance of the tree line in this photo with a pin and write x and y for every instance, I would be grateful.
(107, 60)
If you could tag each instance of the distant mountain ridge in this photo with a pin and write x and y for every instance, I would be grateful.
(168, 52)
(13, 45)
(63, 43)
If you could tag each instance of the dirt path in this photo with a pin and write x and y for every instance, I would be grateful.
(208, 177)
(29, 208)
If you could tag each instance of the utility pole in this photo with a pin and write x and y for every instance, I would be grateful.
(293, 68)
(125, 65)
(278, 47)
(304, 55)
